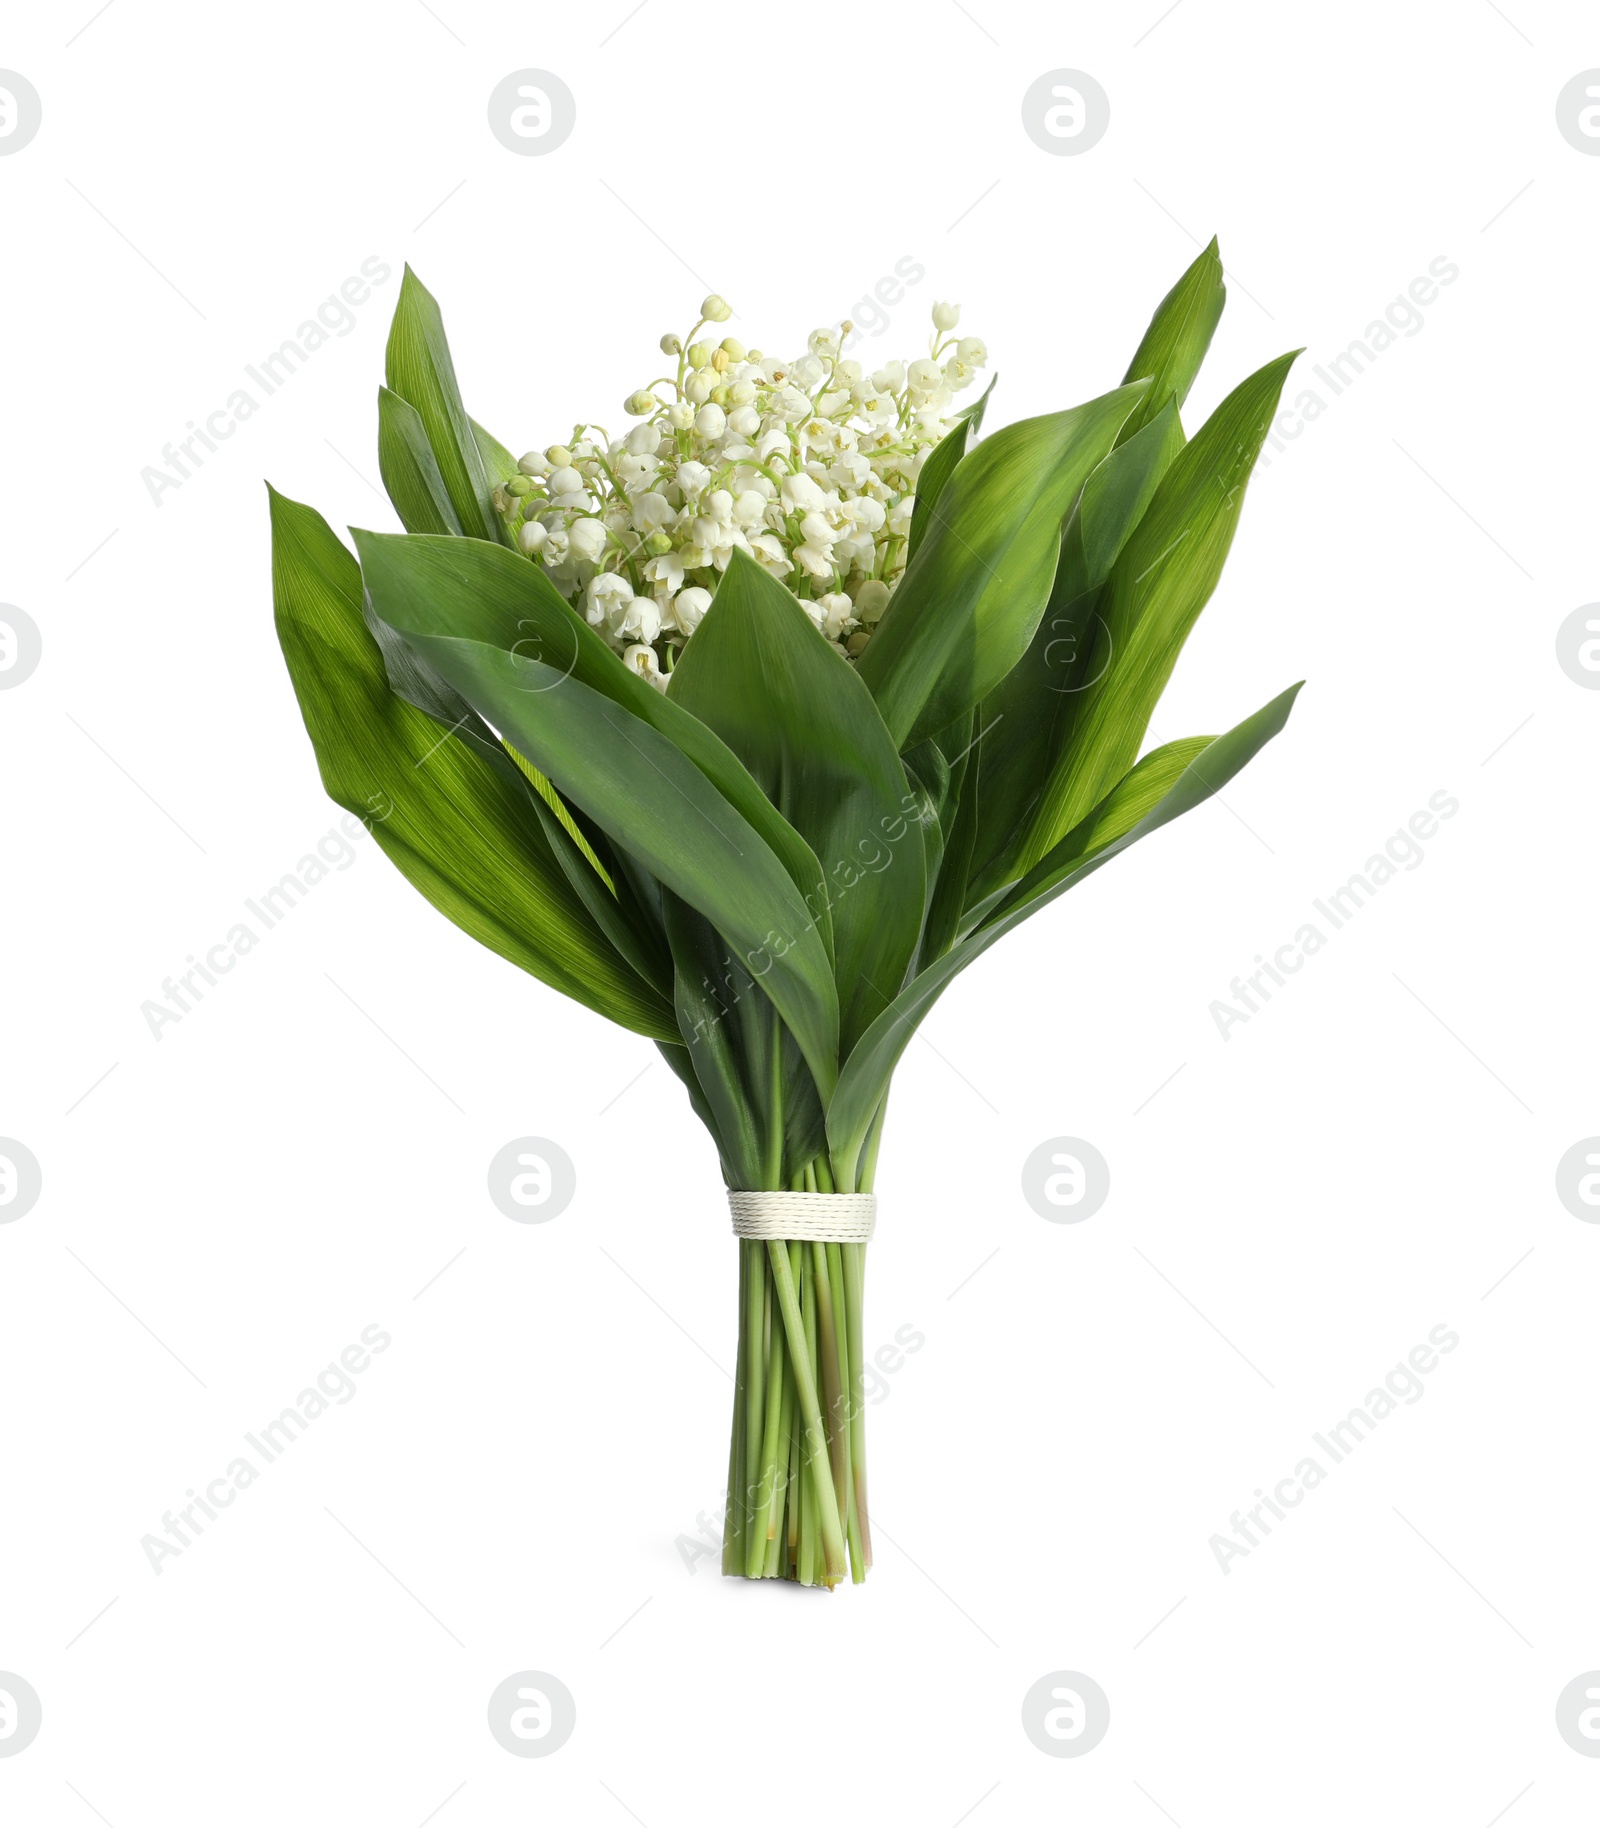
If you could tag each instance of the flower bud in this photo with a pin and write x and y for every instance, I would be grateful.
(698, 386)
(680, 415)
(565, 481)
(532, 536)
(715, 309)
(946, 317)
(710, 421)
(660, 541)
(671, 344)
(732, 348)
(699, 355)
(719, 360)
(856, 643)
(534, 463)
(741, 393)
(557, 456)
(872, 599)
(719, 396)
(640, 403)
(520, 485)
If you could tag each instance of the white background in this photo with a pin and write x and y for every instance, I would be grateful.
(1365, 1159)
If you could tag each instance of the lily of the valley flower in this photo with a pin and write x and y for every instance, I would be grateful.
(809, 466)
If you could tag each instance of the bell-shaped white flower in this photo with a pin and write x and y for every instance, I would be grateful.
(872, 599)
(836, 611)
(801, 494)
(607, 598)
(642, 660)
(946, 317)
(688, 606)
(588, 539)
(665, 572)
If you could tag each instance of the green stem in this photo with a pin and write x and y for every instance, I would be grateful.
(833, 1546)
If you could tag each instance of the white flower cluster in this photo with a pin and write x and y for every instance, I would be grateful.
(809, 466)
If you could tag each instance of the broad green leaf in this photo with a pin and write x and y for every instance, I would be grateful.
(1028, 719)
(791, 708)
(418, 368)
(458, 830)
(498, 463)
(1162, 579)
(940, 466)
(637, 784)
(409, 469)
(1179, 335)
(968, 605)
(864, 1080)
(480, 592)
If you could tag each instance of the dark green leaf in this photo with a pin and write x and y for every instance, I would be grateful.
(940, 465)
(792, 709)
(1179, 335)
(644, 790)
(1028, 719)
(479, 592)
(864, 1081)
(460, 831)
(1161, 581)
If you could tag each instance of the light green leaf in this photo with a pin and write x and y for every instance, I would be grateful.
(968, 605)
(418, 368)
(410, 470)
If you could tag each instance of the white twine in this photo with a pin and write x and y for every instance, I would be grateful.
(827, 1218)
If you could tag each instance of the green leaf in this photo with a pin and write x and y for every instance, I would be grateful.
(970, 600)
(940, 466)
(791, 708)
(498, 463)
(1162, 579)
(479, 592)
(1028, 719)
(1179, 335)
(410, 470)
(458, 830)
(1106, 833)
(418, 368)
(648, 793)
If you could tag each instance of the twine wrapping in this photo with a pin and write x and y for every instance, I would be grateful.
(827, 1218)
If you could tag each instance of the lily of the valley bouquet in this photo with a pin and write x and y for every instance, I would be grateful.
(751, 723)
